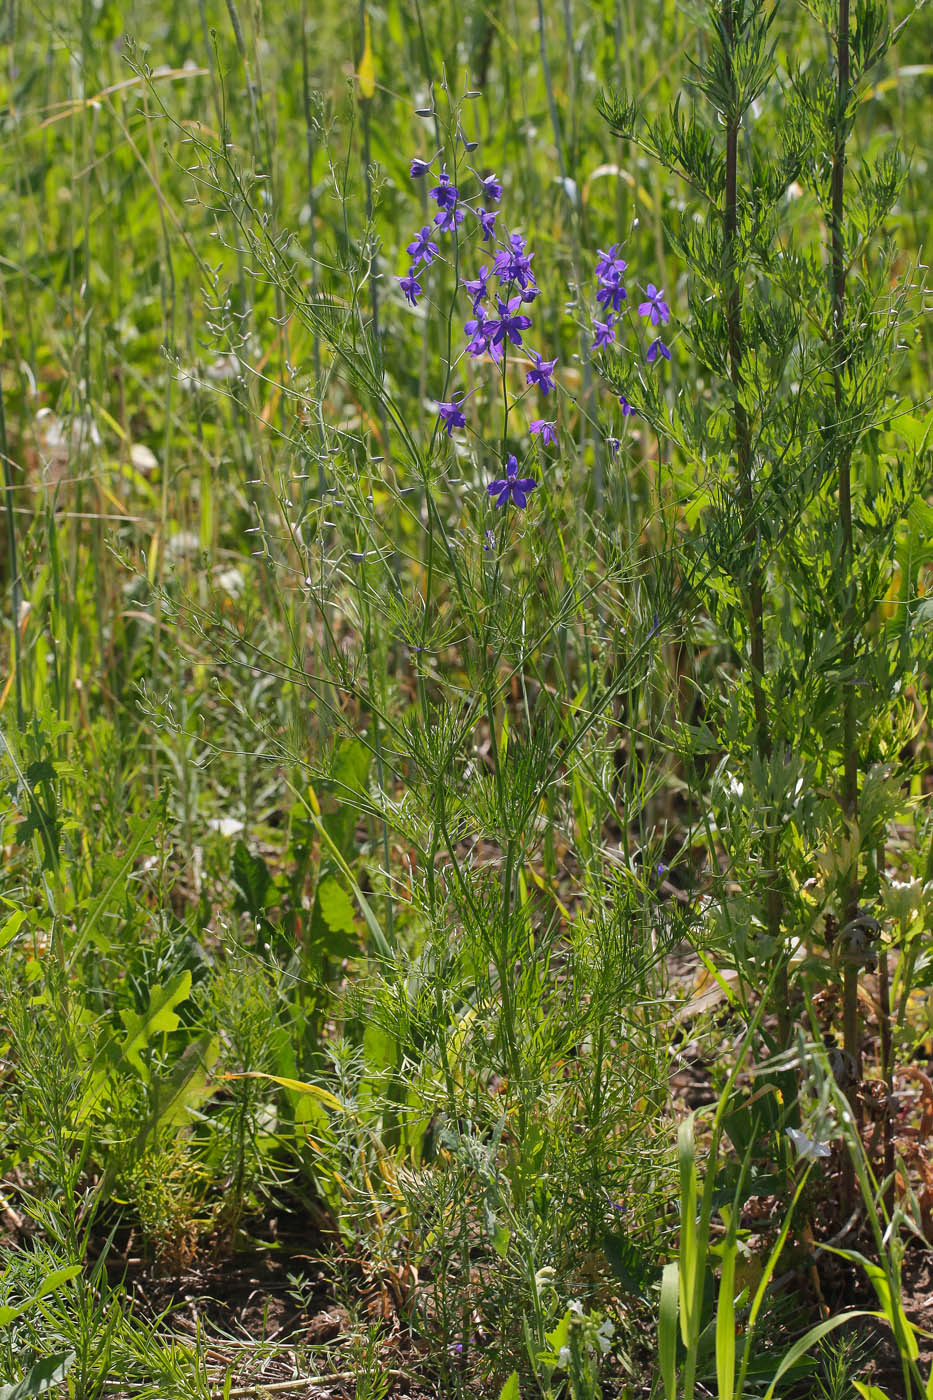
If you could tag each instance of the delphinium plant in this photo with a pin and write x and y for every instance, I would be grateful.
(445, 618)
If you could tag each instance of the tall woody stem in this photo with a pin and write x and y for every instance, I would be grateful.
(844, 491)
(732, 299)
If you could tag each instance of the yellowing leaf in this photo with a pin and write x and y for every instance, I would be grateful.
(366, 75)
(296, 1085)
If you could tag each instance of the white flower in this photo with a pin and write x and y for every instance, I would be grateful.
(563, 1356)
(806, 1147)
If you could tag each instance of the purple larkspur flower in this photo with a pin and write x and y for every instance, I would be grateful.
(492, 190)
(605, 333)
(654, 306)
(627, 408)
(420, 167)
(421, 247)
(481, 330)
(547, 431)
(444, 194)
(512, 487)
(513, 264)
(510, 323)
(449, 218)
(530, 291)
(410, 286)
(451, 414)
(489, 540)
(487, 219)
(611, 293)
(613, 444)
(477, 288)
(610, 262)
(656, 348)
(542, 373)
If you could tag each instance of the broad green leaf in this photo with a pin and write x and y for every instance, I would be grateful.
(188, 1086)
(558, 1337)
(510, 1390)
(252, 879)
(51, 1370)
(725, 1322)
(688, 1254)
(667, 1329)
(12, 927)
(870, 1392)
(49, 1285)
(336, 906)
(158, 1017)
(346, 781)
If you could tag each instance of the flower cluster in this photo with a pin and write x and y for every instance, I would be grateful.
(499, 294)
(610, 294)
(451, 212)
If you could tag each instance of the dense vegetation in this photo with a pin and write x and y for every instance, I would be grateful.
(465, 700)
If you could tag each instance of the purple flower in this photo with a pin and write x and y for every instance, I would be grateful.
(542, 374)
(477, 289)
(654, 306)
(492, 190)
(410, 286)
(444, 193)
(510, 323)
(451, 415)
(487, 219)
(513, 264)
(422, 247)
(605, 333)
(547, 430)
(657, 347)
(609, 263)
(489, 540)
(512, 487)
(611, 292)
(449, 218)
(627, 408)
(613, 444)
(420, 167)
(481, 330)
(530, 292)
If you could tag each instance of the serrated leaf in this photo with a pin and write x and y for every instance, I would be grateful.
(187, 1087)
(252, 879)
(336, 906)
(159, 1016)
(347, 778)
(510, 1390)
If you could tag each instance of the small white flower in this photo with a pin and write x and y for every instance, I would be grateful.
(806, 1147)
(563, 1356)
(576, 1306)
